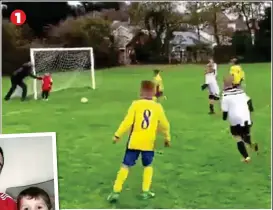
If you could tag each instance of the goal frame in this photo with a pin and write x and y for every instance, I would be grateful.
(92, 69)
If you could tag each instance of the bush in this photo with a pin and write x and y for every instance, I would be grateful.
(259, 52)
(14, 46)
(85, 31)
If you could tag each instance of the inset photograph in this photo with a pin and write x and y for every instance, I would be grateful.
(28, 172)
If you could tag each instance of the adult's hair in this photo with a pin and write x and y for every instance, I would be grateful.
(2, 154)
(34, 193)
(27, 64)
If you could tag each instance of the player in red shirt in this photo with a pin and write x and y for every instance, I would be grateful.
(6, 202)
(47, 83)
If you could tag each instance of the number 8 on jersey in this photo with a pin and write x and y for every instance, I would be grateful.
(146, 119)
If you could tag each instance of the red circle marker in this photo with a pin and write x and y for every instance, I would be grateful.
(18, 17)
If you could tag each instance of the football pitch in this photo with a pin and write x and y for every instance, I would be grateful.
(201, 169)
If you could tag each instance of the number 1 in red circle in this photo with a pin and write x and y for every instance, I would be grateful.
(18, 17)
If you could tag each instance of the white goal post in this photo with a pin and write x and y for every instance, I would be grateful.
(58, 60)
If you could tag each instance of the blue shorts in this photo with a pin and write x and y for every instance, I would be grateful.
(131, 157)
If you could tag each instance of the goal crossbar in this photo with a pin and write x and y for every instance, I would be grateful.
(62, 49)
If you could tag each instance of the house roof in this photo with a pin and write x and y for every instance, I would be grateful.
(124, 24)
(123, 33)
(116, 24)
(188, 39)
(222, 20)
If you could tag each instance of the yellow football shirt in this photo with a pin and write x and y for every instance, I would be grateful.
(237, 72)
(159, 83)
(144, 118)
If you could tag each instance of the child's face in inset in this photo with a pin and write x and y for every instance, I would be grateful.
(28, 203)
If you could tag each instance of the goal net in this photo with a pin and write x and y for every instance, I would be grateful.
(69, 67)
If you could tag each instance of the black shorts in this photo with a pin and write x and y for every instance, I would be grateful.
(239, 130)
(213, 97)
(159, 94)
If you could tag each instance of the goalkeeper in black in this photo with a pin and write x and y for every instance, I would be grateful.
(17, 79)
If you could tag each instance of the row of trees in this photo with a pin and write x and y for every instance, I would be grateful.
(203, 14)
(56, 25)
(164, 18)
(42, 14)
(60, 25)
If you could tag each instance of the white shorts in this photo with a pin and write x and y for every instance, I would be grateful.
(213, 88)
(210, 78)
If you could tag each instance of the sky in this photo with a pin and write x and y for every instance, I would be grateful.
(181, 7)
(77, 2)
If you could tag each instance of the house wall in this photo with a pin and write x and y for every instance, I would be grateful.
(232, 26)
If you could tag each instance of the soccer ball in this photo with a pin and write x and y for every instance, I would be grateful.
(84, 100)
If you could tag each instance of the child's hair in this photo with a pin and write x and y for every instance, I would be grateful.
(228, 79)
(2, 154)
(34, 192)
(156, 71)
(147, 85)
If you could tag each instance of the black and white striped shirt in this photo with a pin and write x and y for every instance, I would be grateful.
(232, 91)
(235, 103)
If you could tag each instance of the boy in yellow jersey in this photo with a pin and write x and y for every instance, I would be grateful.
(237, 72)
(144, 118)
(159, 87)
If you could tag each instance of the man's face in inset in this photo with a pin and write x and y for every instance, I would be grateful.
(1, 162)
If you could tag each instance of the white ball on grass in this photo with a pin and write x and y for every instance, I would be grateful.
(84, 100)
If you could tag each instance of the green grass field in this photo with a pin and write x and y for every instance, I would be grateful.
(202, 169)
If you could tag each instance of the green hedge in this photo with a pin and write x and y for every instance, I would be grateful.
(14, 47)
(86, 31)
